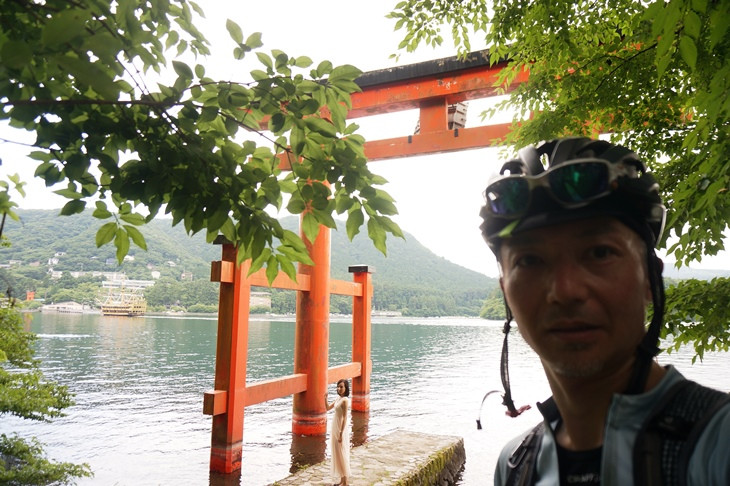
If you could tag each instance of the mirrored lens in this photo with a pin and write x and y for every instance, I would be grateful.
(508, 196)
(575, 183)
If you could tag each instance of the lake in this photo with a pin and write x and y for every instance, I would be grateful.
(139, 386)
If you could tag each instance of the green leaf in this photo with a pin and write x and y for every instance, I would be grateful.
(287, 267)
(303, 62)
(354, 221)
(382, 204)
(73, 207)
(296, 255)
(662, 63)
(265, 59)
(172, 38)
(259, 75)
(217, 219)
(719, 24)
(254, 40)
(105, 234)
(692, 25)
(133, 218)
(182, 69)
(16, 54)
(346, 72)
(309, 107)
(653, 11)
(272, 268)
(276, 123)
(307, 86)
(297, 139)
(259, 261)
(310, 227)
(101, 212)
(343, 202)
(390, 226)
(321, 126)
(325, 218)
(68, 193)
(699, 5)
(136, 236)
(235, 31)
(688, 50)
(377, 235)
(228, 230)
(64, 26)
(121, 241)
(39, 155)
(89, 74)
(293, 240)
(324, 68)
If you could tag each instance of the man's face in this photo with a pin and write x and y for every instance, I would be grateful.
(578, 292)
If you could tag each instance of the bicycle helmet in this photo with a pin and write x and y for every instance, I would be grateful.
(569, 179)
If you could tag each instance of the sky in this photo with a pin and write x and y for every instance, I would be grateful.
(438, 196)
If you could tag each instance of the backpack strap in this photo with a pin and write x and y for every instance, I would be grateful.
(521, 464)
(667, 438)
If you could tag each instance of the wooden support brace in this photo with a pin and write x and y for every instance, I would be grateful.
(436, 142)
(281, 281)
(263, 391)
(215, 402)
(222, 271)
(349, 370)
(341, 287)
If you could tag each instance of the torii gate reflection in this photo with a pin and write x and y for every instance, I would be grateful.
(432, 87)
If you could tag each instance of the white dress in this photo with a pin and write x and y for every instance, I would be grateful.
(340, 450)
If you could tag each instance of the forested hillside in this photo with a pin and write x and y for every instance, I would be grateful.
(411, 279)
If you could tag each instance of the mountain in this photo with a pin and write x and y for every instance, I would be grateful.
(410, 279)
(42, 236)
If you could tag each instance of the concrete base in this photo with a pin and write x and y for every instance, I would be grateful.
(404, 458)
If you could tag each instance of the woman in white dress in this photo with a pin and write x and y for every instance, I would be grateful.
(340, 434)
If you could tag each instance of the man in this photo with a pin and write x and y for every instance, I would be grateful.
(573, 224)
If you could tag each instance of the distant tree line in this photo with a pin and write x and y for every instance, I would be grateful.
(410, 301)
(201, 295)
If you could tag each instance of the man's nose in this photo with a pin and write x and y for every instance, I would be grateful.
(568, 282)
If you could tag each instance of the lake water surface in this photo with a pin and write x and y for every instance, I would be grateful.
(139, 386)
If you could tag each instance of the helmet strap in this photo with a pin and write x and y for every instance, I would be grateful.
(648, 348)
(507, 401)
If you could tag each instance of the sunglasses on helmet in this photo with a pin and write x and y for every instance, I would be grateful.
(571, 184)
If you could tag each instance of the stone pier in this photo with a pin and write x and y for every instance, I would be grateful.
(402, 458)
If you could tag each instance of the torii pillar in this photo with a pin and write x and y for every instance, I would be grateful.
(311, 338)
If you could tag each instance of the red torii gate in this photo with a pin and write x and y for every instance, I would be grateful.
(432, 87)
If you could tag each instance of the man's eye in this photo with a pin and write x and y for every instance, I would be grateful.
(526, 260)
(601, 252)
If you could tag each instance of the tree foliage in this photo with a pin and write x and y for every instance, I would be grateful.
(700, 323)
(493, 306)
(656, 75)
(80, 76)
(25, 393)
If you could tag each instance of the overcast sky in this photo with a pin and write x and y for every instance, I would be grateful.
(438, 196)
